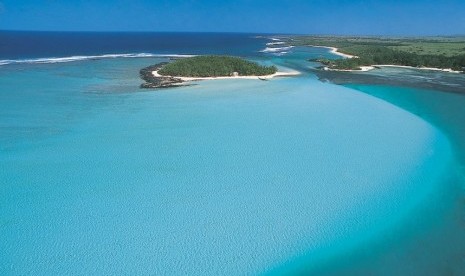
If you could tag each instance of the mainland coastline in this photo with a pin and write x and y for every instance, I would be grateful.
(443, 54)
(378, 66)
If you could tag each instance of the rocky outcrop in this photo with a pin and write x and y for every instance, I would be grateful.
(158, 82)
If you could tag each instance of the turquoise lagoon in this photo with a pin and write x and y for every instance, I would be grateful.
(221, 178)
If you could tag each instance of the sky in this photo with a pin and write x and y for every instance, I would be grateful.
(357, 17)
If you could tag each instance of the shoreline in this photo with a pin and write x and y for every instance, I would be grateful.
(267, 77)
(335, 51)
(379, 66)
(367, 68)
(447, 70)
(362, 69)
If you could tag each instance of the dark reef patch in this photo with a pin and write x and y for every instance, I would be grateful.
(447, 82)
(158, 82)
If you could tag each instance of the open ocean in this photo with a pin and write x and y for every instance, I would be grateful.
(226, 177)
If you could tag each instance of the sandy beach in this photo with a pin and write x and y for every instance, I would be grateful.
(335, 51)
(362, 69)
(372, 67)
(267, 77)
(448, 70)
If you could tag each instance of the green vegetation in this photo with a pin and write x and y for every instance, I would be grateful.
(436, 48)
(215, 66)
(438, 52)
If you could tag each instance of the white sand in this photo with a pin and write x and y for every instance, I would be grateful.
(277, 74)
(335, 51)
(372, 67)
(362, 69)
(449, 70)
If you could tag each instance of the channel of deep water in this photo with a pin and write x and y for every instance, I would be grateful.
(440, 250)
(437, 226)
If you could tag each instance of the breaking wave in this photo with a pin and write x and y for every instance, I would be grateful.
(279, 51)
(80, 58)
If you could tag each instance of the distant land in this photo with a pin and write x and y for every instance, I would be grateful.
(447, 53)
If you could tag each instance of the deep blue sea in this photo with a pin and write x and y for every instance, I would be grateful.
(225, 177)
(29, 45)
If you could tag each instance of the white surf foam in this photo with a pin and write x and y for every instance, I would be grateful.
(80, 58)
(276, 49)
(275, 43)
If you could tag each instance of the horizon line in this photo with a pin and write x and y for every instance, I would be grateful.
(231, 32)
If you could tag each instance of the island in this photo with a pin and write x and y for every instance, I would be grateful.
(182, 71)
(365, 53)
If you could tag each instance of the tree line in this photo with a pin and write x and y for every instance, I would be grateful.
(372, 55)
(215, 66)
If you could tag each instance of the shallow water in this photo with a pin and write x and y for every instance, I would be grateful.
(225, 177)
